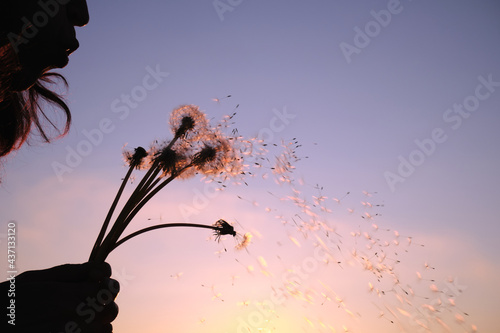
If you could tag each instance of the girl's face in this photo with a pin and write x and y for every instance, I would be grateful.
(45, 35)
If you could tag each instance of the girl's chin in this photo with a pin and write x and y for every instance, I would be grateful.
(31, 70)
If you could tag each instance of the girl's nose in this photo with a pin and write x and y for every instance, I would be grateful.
(78, 12)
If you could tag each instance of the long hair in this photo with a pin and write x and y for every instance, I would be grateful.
(23, 111)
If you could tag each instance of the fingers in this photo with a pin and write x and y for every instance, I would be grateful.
(58, 300)
(70, 326)
(100, 308)
(89, 302)
(112, 285)
(97, 328)
(98, 271)
(70, 273)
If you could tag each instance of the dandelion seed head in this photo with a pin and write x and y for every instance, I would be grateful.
(203, 160)
(218, 157)
(223, 228)
(137, 158)
(247, 238)
(169, 160)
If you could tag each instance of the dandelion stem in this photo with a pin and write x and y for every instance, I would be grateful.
(119, 225)
(171, 144)
(160, 226)
(147, 198)
(144, 186)
(110, 212)
(152, 192)
(147, 185)
(123, 221)
(153, 168)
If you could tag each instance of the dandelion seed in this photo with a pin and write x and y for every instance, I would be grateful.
(429, 307)
(262, 262)
(233, 278)
(404, 313)
(223, 228)
(442, 323)
(434, 288)
(295, 241)
(422, 324)
(217, 296)
(245, 242)
(427, 266)
(459, 318)
(220, 99)
(244, 303)
(177, 276)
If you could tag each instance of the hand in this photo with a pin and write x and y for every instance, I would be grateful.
(66, 299)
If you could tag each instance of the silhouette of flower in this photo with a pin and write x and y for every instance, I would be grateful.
(137, 158)
(167, 159)
(223, 228)
(244, 242)
(216, 156)
(195, 148)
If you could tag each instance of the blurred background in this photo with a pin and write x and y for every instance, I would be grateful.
(394, 102)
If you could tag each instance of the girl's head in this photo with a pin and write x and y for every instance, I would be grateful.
(36, 36)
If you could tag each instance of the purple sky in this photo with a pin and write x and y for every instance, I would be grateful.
(395, 97)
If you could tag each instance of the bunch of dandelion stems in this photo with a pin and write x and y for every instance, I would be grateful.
(150, 185)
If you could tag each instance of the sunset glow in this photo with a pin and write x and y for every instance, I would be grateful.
(360, 201)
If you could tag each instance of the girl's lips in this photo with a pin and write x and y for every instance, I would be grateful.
(72, 46)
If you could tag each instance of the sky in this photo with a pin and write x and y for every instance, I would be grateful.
(394, 102)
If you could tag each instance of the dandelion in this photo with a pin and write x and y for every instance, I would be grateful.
(173, 160)
(205, 160)
(195, 148)
(223, 228)
(188, 120)
(137, 158)
(220, 228)
(135, 161)
(167, 158)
